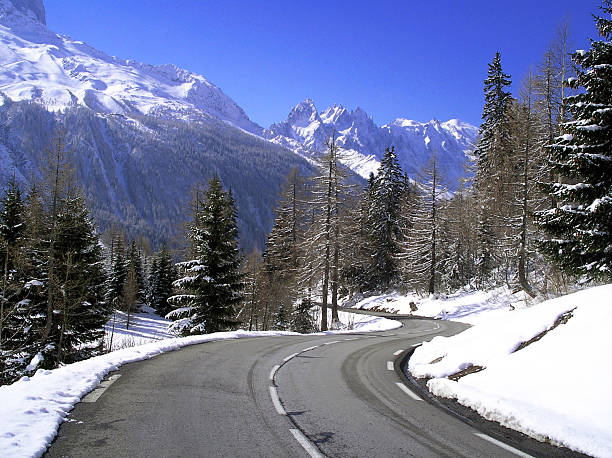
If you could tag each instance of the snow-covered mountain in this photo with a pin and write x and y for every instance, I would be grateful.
(363, 143)
(142, 135)
(38, 64)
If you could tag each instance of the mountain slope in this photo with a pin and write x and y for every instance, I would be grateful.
(363, 143)
(142, 135)
(35, 63)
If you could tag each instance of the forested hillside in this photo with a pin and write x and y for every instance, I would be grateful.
(138, 173)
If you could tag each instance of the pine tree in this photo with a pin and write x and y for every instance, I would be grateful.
(212, 283)
(580, 226)
(385, 219)
(80, 312)
(134, 261)
(163, 274)
(301, 320)
(117, 276)
(491, 182)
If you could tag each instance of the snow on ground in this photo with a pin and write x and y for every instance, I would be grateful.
(32, 409)
(145, 327)
(557, 387)
(466, 305)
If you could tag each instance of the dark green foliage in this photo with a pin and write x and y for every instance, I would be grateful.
(301, 319)
(163, 274)
(385, 223)
(580, 225)
(117, 275)
(80, 311)
(212, 282)
(134, 261)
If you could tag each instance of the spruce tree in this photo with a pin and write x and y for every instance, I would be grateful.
(117, 275)
(162, 276)
(212, 283)
(80, 311)
(580, 225)
(491, 183)
(385, 219)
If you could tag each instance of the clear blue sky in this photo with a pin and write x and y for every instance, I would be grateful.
(414, 59)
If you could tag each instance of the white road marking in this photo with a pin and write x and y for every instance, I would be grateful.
(352, 338)
(290, 357)
(276, 401)
(405, 389)
(273, 371)
(398, 352)
(304, 442)
(309, 348)
(104, 384)
(332, 342)
(502, 445)
(416, 344)
(390, 366)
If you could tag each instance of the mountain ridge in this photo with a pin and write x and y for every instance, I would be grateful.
(363, 143)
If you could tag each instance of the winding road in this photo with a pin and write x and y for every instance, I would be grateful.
(336, 395)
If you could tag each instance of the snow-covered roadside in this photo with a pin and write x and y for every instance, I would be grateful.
(557, 387)
(32, 409)
(466, 305)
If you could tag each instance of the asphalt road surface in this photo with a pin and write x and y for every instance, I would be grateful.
(337, 395)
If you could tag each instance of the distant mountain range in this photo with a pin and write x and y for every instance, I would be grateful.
(363, 143)
(144, 135)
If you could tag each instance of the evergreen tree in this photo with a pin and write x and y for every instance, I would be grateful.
(301, 320)
(117, 276)
(580, 226)
(385, 219)
(134, 261)
(491, 182)
(163, 275)
(212, 283)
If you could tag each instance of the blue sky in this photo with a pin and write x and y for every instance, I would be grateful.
(413, 59)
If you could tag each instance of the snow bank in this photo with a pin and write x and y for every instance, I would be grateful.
(32, 409)
(468, 306)
(556, 388)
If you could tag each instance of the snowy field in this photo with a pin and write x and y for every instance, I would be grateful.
(145, 327)
(32, 409)
(466, 305)
(556, 388)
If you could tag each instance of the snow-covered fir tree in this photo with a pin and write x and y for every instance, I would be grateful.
(580, 225)
(211, 285)
(385, 219)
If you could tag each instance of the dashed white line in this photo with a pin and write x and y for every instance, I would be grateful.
(290, 357)
(332, 342)
(416, 344)
(309, 348)
(405, 389)
(390, 366)
(398, 352)
(502, 445)
(104, 384)
(276, 401)
(273, 371)
(305, 443)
